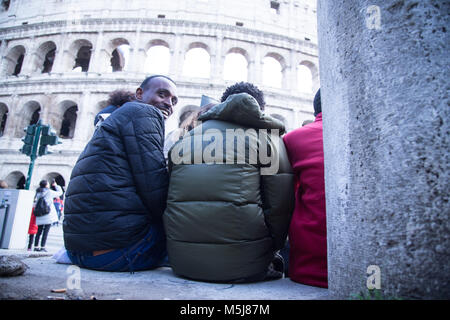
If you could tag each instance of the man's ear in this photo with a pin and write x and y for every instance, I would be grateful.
(139, 92)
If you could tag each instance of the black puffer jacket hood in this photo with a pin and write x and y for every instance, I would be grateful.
(119, 183)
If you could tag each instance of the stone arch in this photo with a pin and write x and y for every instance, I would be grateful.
(5, 4)
(158, 56)
(44, 57)
(197, 61)
(57, 176)
(118, 52)
(314, 74)
(69, 110)
(29, 114)
(3, 117)
(16, 180)
(78, 56)
(273, 70)
(236, 65)
(13, 61)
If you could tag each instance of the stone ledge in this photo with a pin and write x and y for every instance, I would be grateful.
(44, 275)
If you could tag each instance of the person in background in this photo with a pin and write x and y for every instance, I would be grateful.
(58, 203)
(32, 230)
(45, 222)
(3, 184)
(116, 99)
(188, 120)
(307, 232)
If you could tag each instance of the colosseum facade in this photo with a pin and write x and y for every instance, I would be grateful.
(61, 58)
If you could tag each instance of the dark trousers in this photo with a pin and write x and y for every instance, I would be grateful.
(146, 254)
(42, 229)
(30, 241)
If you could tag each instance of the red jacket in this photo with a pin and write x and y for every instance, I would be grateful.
(307, 231)
(33, 228)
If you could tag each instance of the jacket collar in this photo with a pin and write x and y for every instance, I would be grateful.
(318, 117)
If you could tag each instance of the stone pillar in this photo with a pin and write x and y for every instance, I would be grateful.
(217, 60)
(59, 63)
(386, 137)
(27, 64)
(177, 57)
(292, 81)
(255, 66)
(84, 125)
(95, 64)
(136, 63)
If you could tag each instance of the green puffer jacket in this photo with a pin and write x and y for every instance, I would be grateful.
(228, 207)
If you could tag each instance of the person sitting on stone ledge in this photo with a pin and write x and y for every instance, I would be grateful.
(307, 232)
(118, 187)
(116, 99)
(226, 220)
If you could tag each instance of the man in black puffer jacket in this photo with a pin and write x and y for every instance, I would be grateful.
(118, 187)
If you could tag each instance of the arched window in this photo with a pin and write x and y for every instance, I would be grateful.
(35, 116)
(304, 79)
(158, 60)
(197, 63)
(18, 67)
(57, 177)
(3, 117)
(48, 61)
(14, 60)
(16, 179)
(5, 4)
(30, 114)
(272, 72)
(44, 57)
(69, 120)
(235, 67)
(120, 58)
(83, 58)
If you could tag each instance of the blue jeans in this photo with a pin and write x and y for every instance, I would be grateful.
(148, 253)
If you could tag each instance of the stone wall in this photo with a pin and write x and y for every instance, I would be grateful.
(384, 84)
(35, 28)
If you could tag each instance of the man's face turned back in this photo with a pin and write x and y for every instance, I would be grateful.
(161, 93)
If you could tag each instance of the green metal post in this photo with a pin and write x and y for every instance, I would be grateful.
(33, 155)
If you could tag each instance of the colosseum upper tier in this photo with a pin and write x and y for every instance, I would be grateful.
(61, 58)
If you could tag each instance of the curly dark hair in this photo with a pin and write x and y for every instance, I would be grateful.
(246, 87)
(119, 97)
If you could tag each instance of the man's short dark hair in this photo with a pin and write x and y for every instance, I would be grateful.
(317, 103)
(147, 80)
(246, 87)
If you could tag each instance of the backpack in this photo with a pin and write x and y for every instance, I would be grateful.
(41, 208)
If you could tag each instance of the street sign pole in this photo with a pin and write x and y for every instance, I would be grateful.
(33, 155)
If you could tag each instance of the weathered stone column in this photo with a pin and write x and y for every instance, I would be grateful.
(384, 79)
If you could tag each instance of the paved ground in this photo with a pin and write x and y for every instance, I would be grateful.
(44, 275)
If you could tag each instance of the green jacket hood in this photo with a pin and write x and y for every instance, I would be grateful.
(244, 110)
